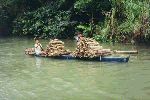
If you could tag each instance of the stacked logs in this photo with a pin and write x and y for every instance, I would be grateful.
(29, 51)
(56, 48)
(89, 48)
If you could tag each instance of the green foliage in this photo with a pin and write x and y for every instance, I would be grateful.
(128, 20)
(5, 21)
(101, 38)
(92, 5)
(85, 28)
(120, 20)
(44, 22)
(81, 4)
(102, 33)
(10, 9)
(4, 17)
(137, 16)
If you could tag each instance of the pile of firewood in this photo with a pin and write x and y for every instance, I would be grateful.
(29, 51)
(90, 48)
(56, 48)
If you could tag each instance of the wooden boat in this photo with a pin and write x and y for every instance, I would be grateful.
(101, 59)
(126, 52)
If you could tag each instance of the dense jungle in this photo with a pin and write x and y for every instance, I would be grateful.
(126, 21)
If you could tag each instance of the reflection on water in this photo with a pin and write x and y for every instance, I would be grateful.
(33, 78)
(38, 62)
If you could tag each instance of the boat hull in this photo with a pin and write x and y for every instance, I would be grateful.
(100, 59)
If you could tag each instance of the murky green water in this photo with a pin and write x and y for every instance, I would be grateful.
(30, 78)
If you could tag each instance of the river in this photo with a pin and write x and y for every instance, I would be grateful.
(32, 78)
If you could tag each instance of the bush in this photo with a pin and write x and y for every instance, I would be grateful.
(44, 22)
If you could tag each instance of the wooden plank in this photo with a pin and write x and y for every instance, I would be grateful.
(126, 52)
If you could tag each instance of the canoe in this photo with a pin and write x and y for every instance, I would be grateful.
(115, 59)
(100, 59)
(126, 52)
(107, 59)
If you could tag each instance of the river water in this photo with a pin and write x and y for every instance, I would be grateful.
(32, 78)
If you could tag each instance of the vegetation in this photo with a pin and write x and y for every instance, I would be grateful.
(104, 20)
(44, 22)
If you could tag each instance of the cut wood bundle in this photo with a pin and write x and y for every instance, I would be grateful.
(56, 48)
(29, 51)
(90, 48)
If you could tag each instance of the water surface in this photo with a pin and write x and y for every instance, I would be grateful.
(32, 78)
